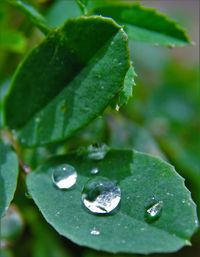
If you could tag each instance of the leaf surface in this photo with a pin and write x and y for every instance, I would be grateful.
(146, 24)
(142, 179)
(8, 176)
(68, 80)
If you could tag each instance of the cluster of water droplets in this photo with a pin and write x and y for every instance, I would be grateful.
(100, 195)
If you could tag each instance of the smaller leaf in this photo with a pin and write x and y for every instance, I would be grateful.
(146, 24)
(127, 90)
(8, 176)
(35, 17)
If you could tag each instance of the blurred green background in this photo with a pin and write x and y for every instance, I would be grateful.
(162, 118)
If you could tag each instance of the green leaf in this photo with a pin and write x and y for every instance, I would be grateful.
(127, 90)
(8, 176)
(13, 41)
(142, 179)
(75, 73)
(146, 24)
(35, 17)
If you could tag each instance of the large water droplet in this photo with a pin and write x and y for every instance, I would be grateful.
(94, 232)
(97, 151)
(64, 176)
(101, 195)
(153, 212)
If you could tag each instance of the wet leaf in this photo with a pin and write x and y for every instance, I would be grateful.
(75, 73)
(143, 180)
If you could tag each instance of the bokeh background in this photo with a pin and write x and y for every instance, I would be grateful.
(162, 118)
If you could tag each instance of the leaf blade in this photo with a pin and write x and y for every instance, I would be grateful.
(8, 177)
(146, 24)
(132, 170)
(86, 71)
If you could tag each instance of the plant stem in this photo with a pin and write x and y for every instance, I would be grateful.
(34, 16)
(10, 138)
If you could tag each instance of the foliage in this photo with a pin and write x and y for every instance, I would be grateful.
(56, 98)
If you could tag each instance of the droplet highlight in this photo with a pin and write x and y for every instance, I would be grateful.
(94, 171)
(95, 232)
(101, 195)
(97, 151)
(64, 176)
(154, 211)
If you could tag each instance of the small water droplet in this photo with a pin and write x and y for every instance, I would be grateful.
(153, 212)
(94, 171)
(112, 43)
(101, 195)
(64, 176)
(94, 232)
(117, 107)
(97, 151)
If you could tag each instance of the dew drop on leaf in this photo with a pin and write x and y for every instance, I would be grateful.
(101, 195)
(94, 232)
(94, 171)
(97, 151)
(153, 212)
(64, 176)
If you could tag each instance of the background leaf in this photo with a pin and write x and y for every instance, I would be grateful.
(8, 177)
(145, 24)
(142, 178)
(76, 72)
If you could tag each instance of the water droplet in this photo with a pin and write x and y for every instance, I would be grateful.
(94, 232)
(97, 151)
(101, 195)
(153, 212)
(94, 171)
(64, 176)
(117, 107)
